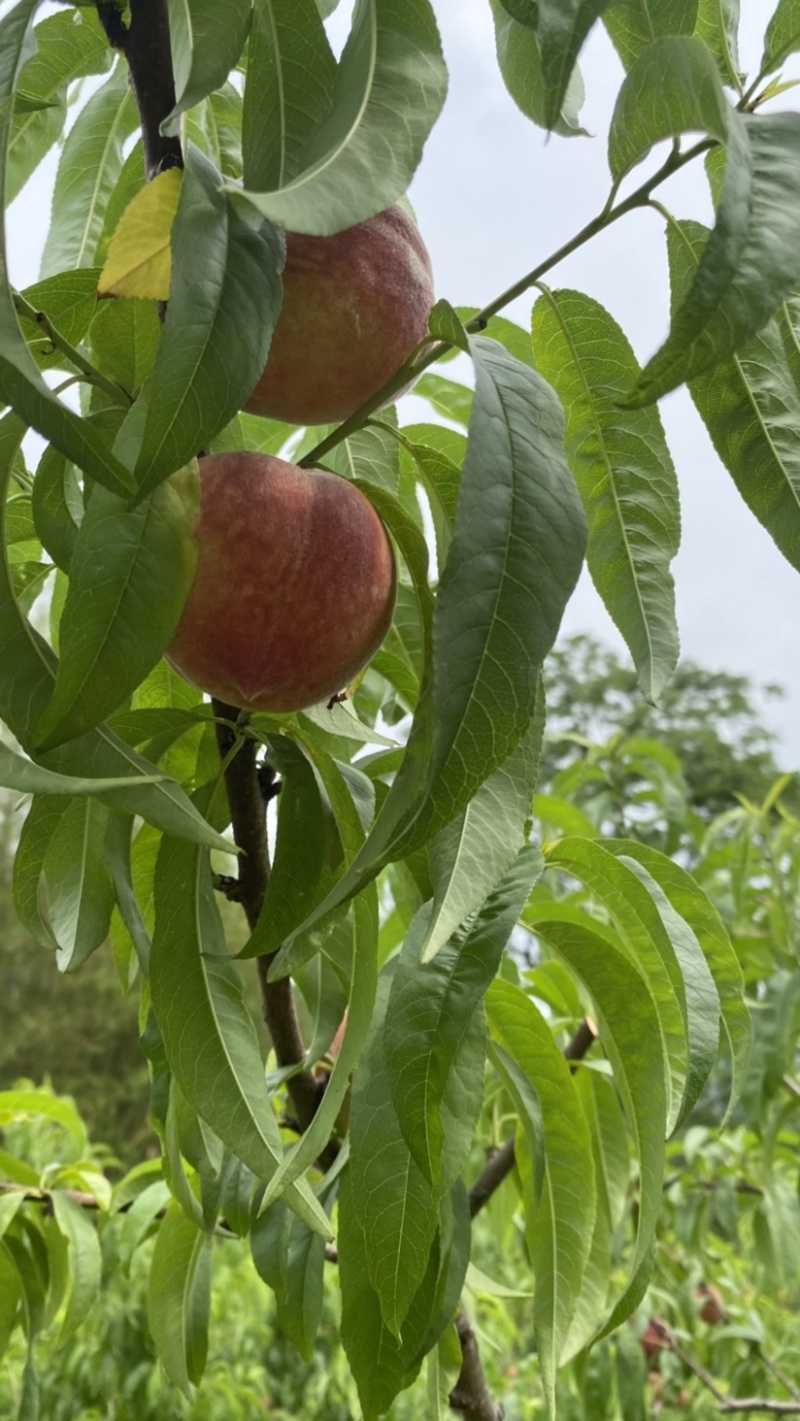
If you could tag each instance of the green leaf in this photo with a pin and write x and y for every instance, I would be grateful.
(178, 1299)
(448, 397)
(703, 917)
(389, 89)
(209, 1035)
(625, 476)
(381, 1364)
(300, 1301)
(57, 505)
(224, 301)
(70, 45)
(291, 72)
(630, 1030)
(369, 457)
(90, 164)
(782, 37)
(85, 1262)
(563, 25)
(360, 961)
(21, 1104)
(470, 855)
(21, 385)
(42, 819)
(751, 261)
(515, 558)
(125, 336)
(436, 1083)
(299, 850)
(80, 893)
(673, 88)
(70, 301)
(397, 1208)
(702, 1011)
(749, 406)
(10, 1296)
(717, 26)
(27, 778)
(207, 40)
(634, 24)
(445, 324)
(521, 61)
(645, 939)
(560, 1222)
(130, 574)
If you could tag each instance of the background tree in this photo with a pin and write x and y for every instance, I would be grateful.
(401, 871)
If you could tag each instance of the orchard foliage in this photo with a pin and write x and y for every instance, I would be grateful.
(409, 844)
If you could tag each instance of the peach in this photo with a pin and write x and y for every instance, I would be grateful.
(294, 589)
(354, 307)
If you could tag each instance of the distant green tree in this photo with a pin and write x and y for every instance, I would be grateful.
(710, 719)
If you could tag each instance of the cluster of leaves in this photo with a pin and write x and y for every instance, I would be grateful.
(402, 865)
(729, 1217)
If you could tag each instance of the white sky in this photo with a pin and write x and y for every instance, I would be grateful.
(494, 197)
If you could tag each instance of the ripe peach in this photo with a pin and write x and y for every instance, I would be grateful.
(294, 589)
(354, 307)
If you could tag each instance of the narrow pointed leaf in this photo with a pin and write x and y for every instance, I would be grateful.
(224, 300)
(42, 820)
(624, 472)
(396, 1206)
(519, 56)
(516, 553)
(782, 37)
(630, 1034)
(178, 1298)
(70, 45)
(389, 89)
(291, 72)
(379, 1362)
(689, 900)
(468, 858)
(563, 25)
(560, 1222)
(750, 405)
(80, 892)
(362, 940)
(751, 261)
(209, 1035)
(206, 39)
(130, 574)
(90, 164)
(85, 1262)
(431, 1007)
(645, 938)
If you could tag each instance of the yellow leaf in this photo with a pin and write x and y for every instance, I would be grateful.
(139, 261)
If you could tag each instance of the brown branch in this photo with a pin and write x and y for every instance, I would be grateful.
(759, 1403)
(501, 1164)
(249, 819)
(145, 43)
(470, 1395)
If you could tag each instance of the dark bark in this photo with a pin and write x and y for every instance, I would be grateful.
(470, 1395)
(249, 819)
(146, 45)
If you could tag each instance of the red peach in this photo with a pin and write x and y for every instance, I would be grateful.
(354, 307)
(294, 589)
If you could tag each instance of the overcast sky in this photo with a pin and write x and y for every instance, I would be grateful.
(493, 197)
